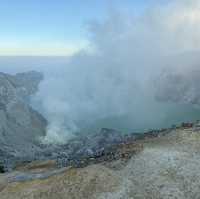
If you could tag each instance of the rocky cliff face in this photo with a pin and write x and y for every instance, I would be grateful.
(20, 125)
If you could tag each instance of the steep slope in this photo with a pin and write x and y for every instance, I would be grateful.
(20, 125)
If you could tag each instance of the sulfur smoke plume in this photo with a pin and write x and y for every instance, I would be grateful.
(124, 73)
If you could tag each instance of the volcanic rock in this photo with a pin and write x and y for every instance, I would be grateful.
(20, 124)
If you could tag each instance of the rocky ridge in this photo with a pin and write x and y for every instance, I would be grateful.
(20, 124)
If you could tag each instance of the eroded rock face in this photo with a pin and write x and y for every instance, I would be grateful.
(20, 125)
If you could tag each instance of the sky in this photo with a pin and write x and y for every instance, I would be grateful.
(54, 28)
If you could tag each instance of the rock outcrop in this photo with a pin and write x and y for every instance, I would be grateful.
(20, 124)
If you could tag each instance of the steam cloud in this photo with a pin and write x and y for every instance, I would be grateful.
(124, 67)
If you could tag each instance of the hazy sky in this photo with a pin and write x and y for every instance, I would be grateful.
(54, 27)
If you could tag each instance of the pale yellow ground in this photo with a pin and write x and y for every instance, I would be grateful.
(167, 168)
